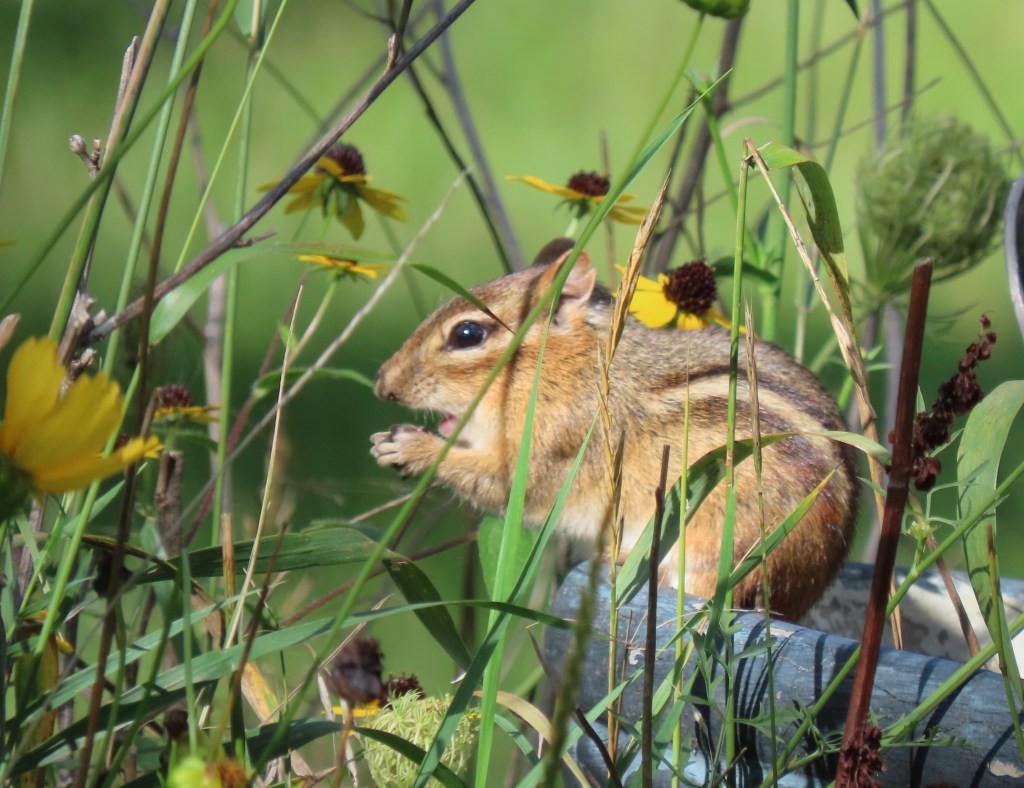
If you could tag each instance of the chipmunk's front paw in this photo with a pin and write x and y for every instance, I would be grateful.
(406, 448)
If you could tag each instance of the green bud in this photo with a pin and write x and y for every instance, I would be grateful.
(936, 190)
(727, 9)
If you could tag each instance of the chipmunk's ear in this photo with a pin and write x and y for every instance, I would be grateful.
(553, 251)
(577, 288)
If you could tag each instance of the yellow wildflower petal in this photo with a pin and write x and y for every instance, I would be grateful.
(79, 426)
(550, 188)
(330, 166)
(307, 184)
(352, 218)
(33, 384)
(384, 201)
(652, 308)
(714, 316)
(690, 322)
(626, 214)
(301, 203)
(86, 469)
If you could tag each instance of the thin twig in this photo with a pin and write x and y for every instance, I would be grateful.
(493, 205)
(701, 147)
(233, 234)
(895, 502)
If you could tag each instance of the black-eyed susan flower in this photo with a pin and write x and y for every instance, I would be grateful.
(685, 298)
(337, 184)
(584, 192)
(345, 269)
(174, 404)
(51, 443)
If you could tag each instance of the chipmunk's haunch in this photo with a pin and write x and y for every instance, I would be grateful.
(442, 366)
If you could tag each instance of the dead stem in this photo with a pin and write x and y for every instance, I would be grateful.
(895, 502)
(233, 234)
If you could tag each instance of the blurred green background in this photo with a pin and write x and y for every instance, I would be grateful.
(544, 81)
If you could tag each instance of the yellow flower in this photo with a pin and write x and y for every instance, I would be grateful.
(174, 404)
(345, 268)
(684, 298)
(337, 184)
(54, 443)
(584, 192)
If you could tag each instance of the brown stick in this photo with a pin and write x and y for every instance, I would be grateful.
(231, 237)
(850, 763)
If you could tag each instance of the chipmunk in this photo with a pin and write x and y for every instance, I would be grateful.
(442, 366)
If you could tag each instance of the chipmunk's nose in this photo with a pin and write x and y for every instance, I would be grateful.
(381, 388)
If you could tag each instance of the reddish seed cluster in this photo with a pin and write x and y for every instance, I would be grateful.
(404, 685)
(867, 758)
(955, 397)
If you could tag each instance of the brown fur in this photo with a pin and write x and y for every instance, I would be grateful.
(651, 376)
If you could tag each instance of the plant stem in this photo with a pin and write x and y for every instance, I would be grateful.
(895, 502)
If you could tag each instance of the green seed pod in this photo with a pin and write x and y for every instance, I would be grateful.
(727, 9)
(416, 720)
(936, 190)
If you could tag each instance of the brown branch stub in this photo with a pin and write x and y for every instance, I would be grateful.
(852, 755)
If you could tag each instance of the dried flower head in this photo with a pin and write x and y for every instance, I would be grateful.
(355, 675)
(404, 685)
(935, 190)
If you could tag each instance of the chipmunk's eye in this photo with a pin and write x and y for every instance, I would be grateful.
(466, 334)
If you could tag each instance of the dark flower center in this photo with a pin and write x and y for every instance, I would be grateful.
(589, 184)
(691, 287)
(348, 158)
(173, 395)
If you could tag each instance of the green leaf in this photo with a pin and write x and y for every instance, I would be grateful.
(407, 749)
(819, 203)
(981, 446)
(271, 382)
(316, 547)
(175, 305)
(416, 587)
(458, 289)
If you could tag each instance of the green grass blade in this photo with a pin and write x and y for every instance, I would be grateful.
(416, 587)
(981, 447)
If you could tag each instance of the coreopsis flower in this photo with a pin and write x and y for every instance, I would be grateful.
(174, 404)
(584, 192)
(685, 298)
(345, 269)
(337, 184)
(51, 443)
